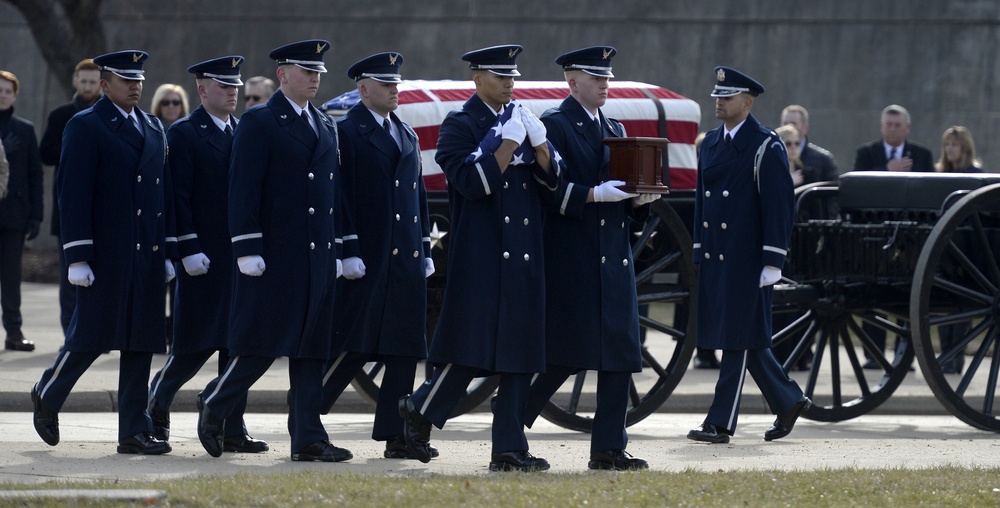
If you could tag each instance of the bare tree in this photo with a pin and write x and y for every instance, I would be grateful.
(66, 32)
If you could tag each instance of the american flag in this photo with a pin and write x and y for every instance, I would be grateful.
(524, 154)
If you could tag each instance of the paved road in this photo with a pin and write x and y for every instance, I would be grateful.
(88, 447)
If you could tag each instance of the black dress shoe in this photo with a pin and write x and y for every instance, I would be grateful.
(396, 449)
(144, 444)
(210, 429)
(416, 431)
(618, 460)
(17, 342)
(46, 420)
(322, 451)
(518, 461)
(161, 421)
(707, 433)
(244, 444)
(707, 362)
(785, 421)
(871, 364)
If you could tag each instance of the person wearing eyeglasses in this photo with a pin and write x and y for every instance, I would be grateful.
(170, 103)
(257, 90)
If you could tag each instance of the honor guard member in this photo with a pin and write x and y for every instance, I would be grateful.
(588, 245)
(282, 187)
(493, 316)
(382, 307)
(199, 169)
(115, 202)
(87, 82)
(743, 222)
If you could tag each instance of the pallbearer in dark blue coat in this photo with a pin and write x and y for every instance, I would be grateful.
(743, 223)
(499, 167)
(381, 308)
(115, 206)
(200, 145)
(591, 313)
(282, 200)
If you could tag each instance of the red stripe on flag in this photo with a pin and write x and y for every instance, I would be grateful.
(453, 95)
(413, 97)
(428, 136)
(436, 182)
(677, 132)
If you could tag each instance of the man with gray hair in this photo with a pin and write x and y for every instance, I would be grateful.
(257, 90)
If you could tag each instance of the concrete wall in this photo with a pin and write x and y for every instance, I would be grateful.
(843, 60)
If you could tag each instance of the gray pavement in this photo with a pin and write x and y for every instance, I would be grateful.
(910, 431)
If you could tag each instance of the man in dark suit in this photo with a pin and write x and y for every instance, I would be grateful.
(743, 224)
(382, 306)
(115, 206)
(200, 145)
(817, 162)
(588, 246)
(283, 188)
(20, 210)
(493, 317)
(894, 152)
(87, 82)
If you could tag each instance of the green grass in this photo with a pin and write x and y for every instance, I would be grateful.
(944, 486)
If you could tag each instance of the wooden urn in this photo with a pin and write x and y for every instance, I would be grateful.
(638, 162)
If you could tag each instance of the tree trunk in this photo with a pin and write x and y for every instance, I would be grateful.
(66, 32)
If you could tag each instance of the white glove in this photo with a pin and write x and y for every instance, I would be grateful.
(513, 129)
(168, 269)
(608, 192)
(769, 275)
(534, 126)
(428, 267)
(251, 265)
(340, 268)
(645, 199)
(80, 274)
(196, 264)
(353, 268)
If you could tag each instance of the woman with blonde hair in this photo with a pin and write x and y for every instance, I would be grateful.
(958, 152)
(170, 103)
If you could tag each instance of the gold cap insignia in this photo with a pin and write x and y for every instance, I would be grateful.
(512, 52)
(320, 47)
(721, 75)
(607, 53)
(392, 58)
(136, 57)
(236, 62)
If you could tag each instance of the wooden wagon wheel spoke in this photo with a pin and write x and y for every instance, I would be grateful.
(956, 294)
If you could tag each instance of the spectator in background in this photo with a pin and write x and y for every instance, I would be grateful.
(20, 211)
(894, 152)
(817, 162)
(958, 155)
(790, 136)
(257, 91)
(87, 82)
(170, 103)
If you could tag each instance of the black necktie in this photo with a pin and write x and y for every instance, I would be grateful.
(305, 116)
(729, 139)
(385, 124)
(229, 130)
(892, 153)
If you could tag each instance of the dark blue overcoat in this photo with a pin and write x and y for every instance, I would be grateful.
(115, 214)
(282, 203)
(383, 312)
(199, 170)
(743, 222)
(592, 319)
(493, 314)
